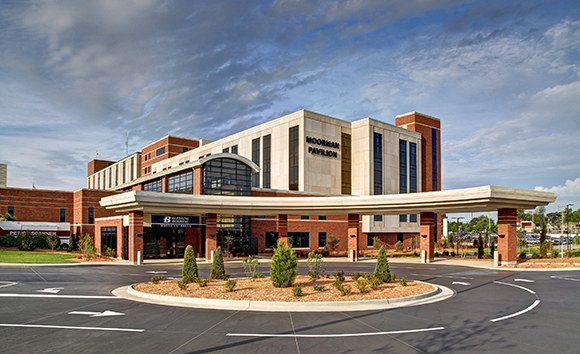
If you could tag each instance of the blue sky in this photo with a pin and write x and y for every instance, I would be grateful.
(502, 76)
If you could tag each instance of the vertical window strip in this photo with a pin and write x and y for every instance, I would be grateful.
(378, 163)
(267, 151)
(434, 158)
(293, 159)
(346, 164)
(402, 166)
(256, 160)
(412, 167)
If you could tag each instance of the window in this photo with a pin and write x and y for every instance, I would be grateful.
(226, 177)
(293, 159)
(226, 150)
(400, 237)
(403, 218)
(185, 149)
(91, 215)
(132, 168)
(412, 167)
(160, 151)
(305, 217)
(108, 238)
(378, 218)
(402, 166)
(256, 160)
(116, 175)
(11, 211)
(300, 239)
(434, 157)
(234, 149)
(98, 181)
(145, 157)
(145, 170)
(322, 217)
(413, 218)
(153, 186)
(62, 215)
(370, 240)
(123, 173)
(345, 174)
(321, 239)
(378, 163)
(110, 177)
(266, 151)
(180, 183)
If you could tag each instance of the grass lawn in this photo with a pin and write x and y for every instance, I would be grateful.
(34, 257)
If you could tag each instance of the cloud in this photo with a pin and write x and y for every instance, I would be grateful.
(569, 189)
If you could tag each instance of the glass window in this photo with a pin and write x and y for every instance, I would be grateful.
(403, 218)
(116, 175)
(132, 168)
(266, 152)
(378, 163)
(305, 217)
(226, 150)
(370, 241)
(123, 173)
(180, 183)
(402, 166)
(110, 177)
(300, 239)
(322, 217)
(378, 218)
(185, 149)
(293, 159)
(160, 151)
(108, 238)
(256, 160)
(91, 215)
(234, 149)
(434, 157)
(413, 218)
(412, 167)
(62, 215)
(345, 164)
(11, 210)
(322, 239)
(153, 186)
(227, 177)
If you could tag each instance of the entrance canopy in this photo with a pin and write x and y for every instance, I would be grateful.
(477, 199)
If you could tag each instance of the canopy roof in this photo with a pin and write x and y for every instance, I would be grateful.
(477, 199)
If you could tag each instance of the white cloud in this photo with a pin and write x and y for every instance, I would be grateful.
(569, 189)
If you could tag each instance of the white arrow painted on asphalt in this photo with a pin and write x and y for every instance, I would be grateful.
(156, 272)
(97, 314)
(461, 283)
(50, 290)
(525, 280)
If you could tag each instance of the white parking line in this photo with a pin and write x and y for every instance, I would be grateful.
(516, 286)
(72, 327)
(60, 296)
(529, 308)
(334, 335)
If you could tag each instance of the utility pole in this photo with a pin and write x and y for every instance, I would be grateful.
(567, 228)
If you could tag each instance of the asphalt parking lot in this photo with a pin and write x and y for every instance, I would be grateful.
(70, 309)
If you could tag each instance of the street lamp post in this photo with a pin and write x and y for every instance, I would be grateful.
(568, 229)
(457, 234)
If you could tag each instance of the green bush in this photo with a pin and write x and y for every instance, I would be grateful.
(201, 282)
(445, 253)
(217, 268)
(437, 254)
(452, 253)
(480, 250)
(344, 290)
(375, 282)
(25, 242)
(40, 241)
(71, 243)
(535, 256)
(181, 284)
(156, 279)
(283, 268)
(230, 284)
(315, 266)
(297, 290)
(399, 246)
(362, 285)
(523, 255)
(53, 242)
(543, 249)
(403, 281)
(252, 268)
(318, 287)
(339, 274)
(8, 241)
(87, 247)
(110, 252)
(377, 243)
(189, 271)
(555, 253)
(382, 270)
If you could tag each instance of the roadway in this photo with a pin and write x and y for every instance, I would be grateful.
(70, 309)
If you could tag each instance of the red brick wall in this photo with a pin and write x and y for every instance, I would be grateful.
(173, 146)
(109, 223)
(97, 165)
(37, 204)
(83, 200)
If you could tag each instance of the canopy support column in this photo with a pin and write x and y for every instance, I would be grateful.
(427, 237)
(210, 235)
(507, 239)
(353, 236)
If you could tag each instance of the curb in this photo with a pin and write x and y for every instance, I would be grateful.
(440, 293)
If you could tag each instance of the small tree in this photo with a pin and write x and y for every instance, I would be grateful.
(399, 246)
(544, 249)
(71, 242)
(87, 247)
(25, 241)
(333, 243)
(315, 266)
(480, 251)
(252, 267)
(53, 242)
(382, 270)
(377, 243)
(413, 242)
(284, 263)
(217, 268)
(189, 271)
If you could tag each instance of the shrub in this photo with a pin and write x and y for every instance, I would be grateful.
(318, 287)
(382, 270)
(297, 290)
(445, 253)
(53, 242)
(362, 285)
(71, 243)
(230, 284)
(403, 281)
(399, 246)
(189, 271)
(283, 268)
(86, 246)
(25, 242)
(344, 290)
(217, 268)
(535, 256)
(252, 268)
(333, 243)
(315, 266)
(339, 274)
(543, 249)
(156, 279)
(181, 285)
(480, 250)
(437, 254)
(8, 241)
(377, 243)
(201, 282)
(555, 253)
(40, 241)
(452, 253)
(356, 275)
(110, 252)
(523, 255)
(375, 282)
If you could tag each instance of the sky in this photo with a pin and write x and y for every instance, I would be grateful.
(503, 77)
